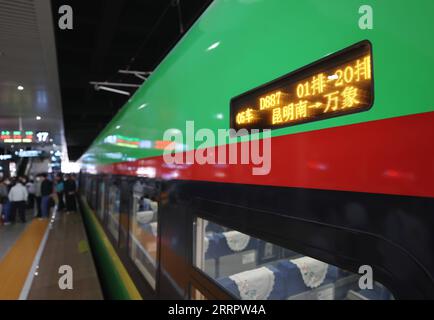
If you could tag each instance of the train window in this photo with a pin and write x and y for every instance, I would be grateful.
(87, 188)
(101, 200)
(94, 193)
(143, 230)
(253, 269)
(89, 193)
(114, 201)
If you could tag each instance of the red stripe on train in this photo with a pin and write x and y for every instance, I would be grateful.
(391, 156)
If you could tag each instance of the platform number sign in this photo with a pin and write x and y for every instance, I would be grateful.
(42, 136)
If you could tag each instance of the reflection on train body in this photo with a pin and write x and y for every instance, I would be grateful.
(143, 231)
(114, 203)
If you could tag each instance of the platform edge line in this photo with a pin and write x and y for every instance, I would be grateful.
(29, 280)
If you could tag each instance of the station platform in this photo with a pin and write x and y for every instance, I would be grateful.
(31, 254)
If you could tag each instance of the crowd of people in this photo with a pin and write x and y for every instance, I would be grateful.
(41, 194)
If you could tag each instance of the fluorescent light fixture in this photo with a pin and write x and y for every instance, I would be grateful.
(28, 153)
(213, 46)
(38, 118)
(20, 88)
(70, 167)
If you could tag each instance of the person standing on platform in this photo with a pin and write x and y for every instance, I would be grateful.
(18, 198)
(3, 199)
(30, 185)
(60, 185)
(70, 192)
(7, 203)
(38, 197)
(46, 192)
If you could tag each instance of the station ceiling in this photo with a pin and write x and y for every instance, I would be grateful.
(108, 36)
(28, 59)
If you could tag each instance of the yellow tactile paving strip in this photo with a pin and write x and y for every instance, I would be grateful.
(16, 265)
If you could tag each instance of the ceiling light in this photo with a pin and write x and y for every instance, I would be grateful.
(20, 88)
(38, 118)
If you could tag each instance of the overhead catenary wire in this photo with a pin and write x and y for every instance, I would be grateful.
(149, 35)
(141, 75)
(145, 41)
(177, 3)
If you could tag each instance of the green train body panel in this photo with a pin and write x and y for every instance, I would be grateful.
(258, 41)
(115, 281)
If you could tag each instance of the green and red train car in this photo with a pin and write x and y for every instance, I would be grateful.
(346, 210)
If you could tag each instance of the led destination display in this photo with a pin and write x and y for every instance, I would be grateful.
(337, 85)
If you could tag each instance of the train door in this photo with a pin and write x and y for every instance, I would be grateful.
(125, 190)
(143, 234)
(101, 205)
(113, 210)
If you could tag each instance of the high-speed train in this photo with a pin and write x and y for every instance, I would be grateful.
(322, 189)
